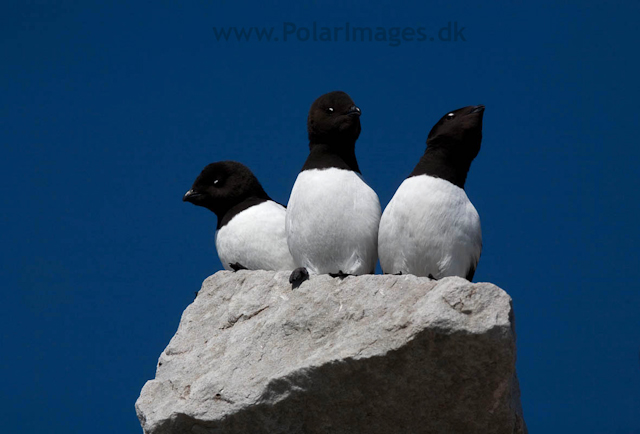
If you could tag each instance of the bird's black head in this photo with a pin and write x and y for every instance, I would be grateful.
(333, 119)
(223, 185)
(459, 132)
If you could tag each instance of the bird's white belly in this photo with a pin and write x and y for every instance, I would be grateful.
(429, 227)
(332, 222)
(256, 239)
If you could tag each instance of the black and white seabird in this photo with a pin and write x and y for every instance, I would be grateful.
(430, 228)
(333, 215)
(251, 227)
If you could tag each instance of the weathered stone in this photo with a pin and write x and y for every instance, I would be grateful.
(368, 354)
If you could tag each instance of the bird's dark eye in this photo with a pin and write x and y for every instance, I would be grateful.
(330, 110)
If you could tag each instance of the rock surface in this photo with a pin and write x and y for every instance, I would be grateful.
(368, 354)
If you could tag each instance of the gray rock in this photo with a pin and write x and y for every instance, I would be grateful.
(368, 354)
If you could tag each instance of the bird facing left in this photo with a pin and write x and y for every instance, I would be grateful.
(250, 233)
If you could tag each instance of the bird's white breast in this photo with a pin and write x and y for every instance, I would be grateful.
(429, 227)
(256, 239)
(332, 222)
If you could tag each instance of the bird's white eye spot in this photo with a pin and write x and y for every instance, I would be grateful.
(330, 109)
(450, 115)
(215, 182)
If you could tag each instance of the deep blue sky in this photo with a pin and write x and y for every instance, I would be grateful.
(110, 111)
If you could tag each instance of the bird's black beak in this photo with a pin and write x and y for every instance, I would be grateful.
(478, 109)
(354, 110)
(191, 196)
